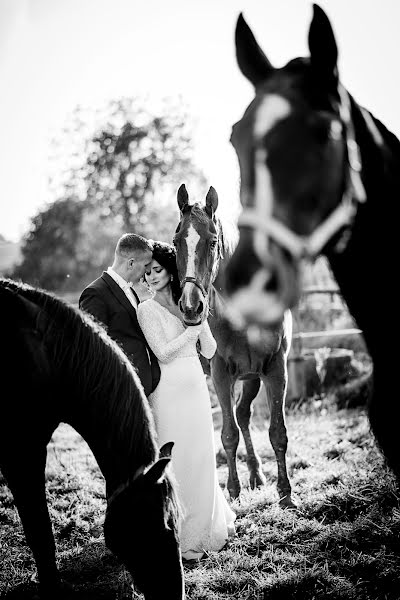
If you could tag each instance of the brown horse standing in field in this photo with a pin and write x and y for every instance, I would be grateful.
(200, 247)
(319, 174)
(59, 366)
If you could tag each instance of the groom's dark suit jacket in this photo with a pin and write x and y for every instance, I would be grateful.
(106, 301)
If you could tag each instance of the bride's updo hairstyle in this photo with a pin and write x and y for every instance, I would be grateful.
(165, 255)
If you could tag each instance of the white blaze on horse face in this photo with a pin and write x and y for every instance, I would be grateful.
(271, 110)
(264, 197)
(192, 239)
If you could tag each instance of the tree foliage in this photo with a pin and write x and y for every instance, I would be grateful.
(116, 170)
(48, 251)
(132, 162)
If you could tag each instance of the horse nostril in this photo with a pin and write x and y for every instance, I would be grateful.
(271, 284)
(180, 305)
(199, 308)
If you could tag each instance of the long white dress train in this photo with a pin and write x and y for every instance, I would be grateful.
(182, 414)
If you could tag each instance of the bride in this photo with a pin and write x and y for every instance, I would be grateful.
(182, 409)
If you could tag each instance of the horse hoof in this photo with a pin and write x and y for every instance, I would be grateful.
(286, 502)
(258, 480)
(234, 493)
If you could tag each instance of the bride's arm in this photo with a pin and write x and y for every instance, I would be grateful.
(151, 325)
(208, 345)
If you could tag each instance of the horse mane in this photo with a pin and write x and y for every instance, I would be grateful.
(390, 148)
(228, 238)
(81, 347)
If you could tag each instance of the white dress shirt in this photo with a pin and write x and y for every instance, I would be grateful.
(125, 286)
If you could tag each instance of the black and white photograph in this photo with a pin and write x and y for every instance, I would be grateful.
(198, 241)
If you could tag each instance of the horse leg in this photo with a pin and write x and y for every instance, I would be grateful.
(224, 387)
(26, 480)
(276, 384)
(243, 413)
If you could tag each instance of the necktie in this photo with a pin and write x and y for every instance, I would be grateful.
(135, 294)
(131, 294)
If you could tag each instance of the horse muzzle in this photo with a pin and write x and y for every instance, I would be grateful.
(193, 302)
(261, 298)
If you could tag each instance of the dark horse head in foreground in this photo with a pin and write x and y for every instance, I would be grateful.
(59, 366)
(319, 174)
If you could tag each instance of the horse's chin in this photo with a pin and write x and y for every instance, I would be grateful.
(253, 308)
(191, 319)
(247, 311)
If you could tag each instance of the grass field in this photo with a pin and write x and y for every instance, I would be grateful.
(342, 543)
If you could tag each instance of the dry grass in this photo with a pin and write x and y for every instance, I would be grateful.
(343, 542)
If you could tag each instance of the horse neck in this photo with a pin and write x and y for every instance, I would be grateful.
(88, 385)
(120, 443)
(217, 303)
(372, 244)
(218, 282)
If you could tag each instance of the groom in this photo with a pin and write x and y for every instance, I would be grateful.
(112, 300)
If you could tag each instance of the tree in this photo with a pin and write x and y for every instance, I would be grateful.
(48, 249)
(133, 162)
(116, 170)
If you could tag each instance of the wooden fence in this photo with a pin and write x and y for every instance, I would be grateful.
(302, 362)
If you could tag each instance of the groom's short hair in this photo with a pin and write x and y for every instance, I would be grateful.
(130, 243)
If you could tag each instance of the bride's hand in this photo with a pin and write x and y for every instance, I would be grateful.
(195, 329)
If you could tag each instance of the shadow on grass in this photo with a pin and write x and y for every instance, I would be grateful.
(318, 583)
(31, 592)
(94, 574)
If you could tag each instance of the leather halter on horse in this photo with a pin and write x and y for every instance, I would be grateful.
(195, 282)
(342, 216)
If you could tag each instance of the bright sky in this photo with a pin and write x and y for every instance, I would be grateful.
(55, 54)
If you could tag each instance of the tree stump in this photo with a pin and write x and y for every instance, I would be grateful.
(337, 367)
(303, 377)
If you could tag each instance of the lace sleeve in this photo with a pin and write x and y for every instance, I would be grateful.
(208, 345)
(151, 325)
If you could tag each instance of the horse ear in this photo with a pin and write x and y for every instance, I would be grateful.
(183, 198)
(211, 201)
(252, 61)
(156, 471)
(166, 450)
(323, 48)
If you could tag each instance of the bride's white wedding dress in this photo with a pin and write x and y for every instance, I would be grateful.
(182, 414)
